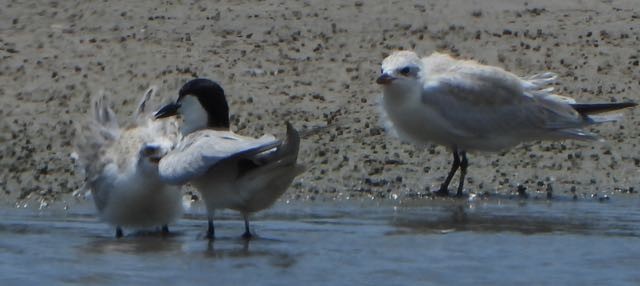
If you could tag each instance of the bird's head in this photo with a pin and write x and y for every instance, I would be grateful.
(154, 141)
(400, 71)
(201, 104)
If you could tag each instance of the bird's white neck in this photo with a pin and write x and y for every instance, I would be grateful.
(194, 116)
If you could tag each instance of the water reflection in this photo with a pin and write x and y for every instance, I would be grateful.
(186, 244)
(519, 216)
(461, 220)
(23, 229)
(241, 249)
(355, 243)
(138, 244)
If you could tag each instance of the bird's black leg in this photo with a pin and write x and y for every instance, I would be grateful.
(464, 163)
(211, 233)
(165, 229)
(118, 232)
(247, 233)
(444, 188)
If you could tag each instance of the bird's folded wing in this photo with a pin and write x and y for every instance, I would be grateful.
(200, 151)
(288, 150)
(486, 103)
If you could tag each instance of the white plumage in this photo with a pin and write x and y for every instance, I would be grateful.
(467, 106)
(121, 166)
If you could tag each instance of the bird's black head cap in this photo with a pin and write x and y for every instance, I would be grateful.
(211, 97)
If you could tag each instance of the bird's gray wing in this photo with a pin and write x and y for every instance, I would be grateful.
(480, 104)
(200, 151)
(285, 154)
(101, 187)
(99, 130)
(143, 105)
(287, 150)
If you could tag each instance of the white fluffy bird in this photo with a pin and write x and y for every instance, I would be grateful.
(121, 166)
(230, 171)
(467, 106)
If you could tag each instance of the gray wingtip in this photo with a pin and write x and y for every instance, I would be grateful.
(293, 138)
(291, 131)
(101, 112)
(597, 108)
(149, 93)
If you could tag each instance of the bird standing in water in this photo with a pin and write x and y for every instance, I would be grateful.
(229, 170)
(121, 166)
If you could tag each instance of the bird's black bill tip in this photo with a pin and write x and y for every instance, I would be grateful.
(385, 79)
(167, 110)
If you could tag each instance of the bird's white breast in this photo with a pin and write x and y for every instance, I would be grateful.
(415, 122)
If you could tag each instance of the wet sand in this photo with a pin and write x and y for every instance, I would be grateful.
(314, 63)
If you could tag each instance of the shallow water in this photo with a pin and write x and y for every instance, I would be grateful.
(348, 243)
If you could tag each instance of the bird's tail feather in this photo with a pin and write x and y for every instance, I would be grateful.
(604, 118)
(538, 81)
(577, 134)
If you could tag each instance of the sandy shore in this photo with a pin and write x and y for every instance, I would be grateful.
(314, 63)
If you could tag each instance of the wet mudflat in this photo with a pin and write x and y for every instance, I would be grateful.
(422, 242)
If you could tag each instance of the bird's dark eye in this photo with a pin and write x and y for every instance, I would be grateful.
(381, 71)
(405, 71)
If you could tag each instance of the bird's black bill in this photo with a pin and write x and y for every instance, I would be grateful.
(385, 79)
(167, 110)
